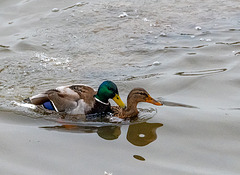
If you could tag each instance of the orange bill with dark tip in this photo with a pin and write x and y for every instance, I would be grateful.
(149, 99)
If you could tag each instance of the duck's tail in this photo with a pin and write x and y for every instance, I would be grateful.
(25, 104)
(27, 100)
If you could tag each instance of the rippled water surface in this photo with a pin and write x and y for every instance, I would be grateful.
(185, 53)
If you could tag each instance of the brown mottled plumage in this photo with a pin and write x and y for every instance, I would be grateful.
(77, 99)
(134, 97)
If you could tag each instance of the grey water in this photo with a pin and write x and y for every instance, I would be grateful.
(186, 53)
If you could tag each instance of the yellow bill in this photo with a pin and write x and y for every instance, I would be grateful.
(118, 101)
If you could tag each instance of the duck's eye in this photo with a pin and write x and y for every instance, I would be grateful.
(143, 94)
(111, 89)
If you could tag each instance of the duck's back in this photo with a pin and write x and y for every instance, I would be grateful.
(73, 99)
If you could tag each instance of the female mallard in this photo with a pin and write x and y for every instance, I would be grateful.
(78, 99)
(134, 97)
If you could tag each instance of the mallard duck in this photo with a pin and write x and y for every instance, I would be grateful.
(78, 99)
(134, 97)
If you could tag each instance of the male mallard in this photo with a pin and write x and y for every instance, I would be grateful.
(134, 97)
(78, 99)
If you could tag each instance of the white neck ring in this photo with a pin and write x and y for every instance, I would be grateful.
(101, 101)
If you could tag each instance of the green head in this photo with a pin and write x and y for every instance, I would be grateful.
(107, 90)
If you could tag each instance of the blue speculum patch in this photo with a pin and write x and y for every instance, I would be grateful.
(48, 105)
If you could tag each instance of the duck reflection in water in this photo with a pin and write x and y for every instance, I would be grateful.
(140, 134)
(106, 132)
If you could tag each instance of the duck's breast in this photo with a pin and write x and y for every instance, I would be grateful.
(81, 108)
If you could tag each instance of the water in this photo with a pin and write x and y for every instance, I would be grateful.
(184, 53)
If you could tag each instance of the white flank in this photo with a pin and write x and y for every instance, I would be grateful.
(81, 108)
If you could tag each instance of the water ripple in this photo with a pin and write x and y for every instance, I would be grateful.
(201, 72)
(131, 78)
(229, 43)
